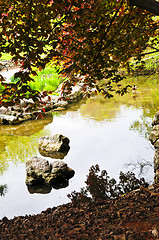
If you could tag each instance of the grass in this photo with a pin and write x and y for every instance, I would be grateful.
(1, 88)
(148, 65)
(46, 80)
(150, 60)
(49, 79)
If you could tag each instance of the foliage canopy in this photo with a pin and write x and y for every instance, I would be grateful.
(90, 40)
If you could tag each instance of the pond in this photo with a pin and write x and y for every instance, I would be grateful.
(109, 133)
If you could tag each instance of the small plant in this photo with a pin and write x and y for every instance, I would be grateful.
(14, 80)
(1, 88)
(46, 80)
(100, 186)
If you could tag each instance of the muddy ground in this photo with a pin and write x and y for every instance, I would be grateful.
(133, 216)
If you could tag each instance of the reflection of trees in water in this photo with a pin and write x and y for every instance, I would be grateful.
(3, 189)
(17, 149)
(100, 108)
(4, 165)
(18, 143)
(100, 186)
(27, 128)
(143, 126)
(141, 166)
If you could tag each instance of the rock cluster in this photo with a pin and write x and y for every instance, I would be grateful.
(7, 64)
(40, 171)
(41, 175)
(154, 138)
(27, 109)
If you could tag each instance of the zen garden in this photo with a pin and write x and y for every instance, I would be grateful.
(79, 119)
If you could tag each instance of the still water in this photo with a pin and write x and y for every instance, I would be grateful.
(100, 131)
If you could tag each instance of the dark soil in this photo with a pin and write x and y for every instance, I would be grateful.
(133, 216)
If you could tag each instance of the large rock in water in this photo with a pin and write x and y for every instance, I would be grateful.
(40, 171)
(56, 146)
(37, 170)
(59, 172)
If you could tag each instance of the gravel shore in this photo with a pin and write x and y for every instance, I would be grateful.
(133, 216)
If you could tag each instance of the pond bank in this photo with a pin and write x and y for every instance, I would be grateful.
(133, 216)
(154, 138)
(27, 109)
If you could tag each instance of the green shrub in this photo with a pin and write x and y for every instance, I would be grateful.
(46, 80)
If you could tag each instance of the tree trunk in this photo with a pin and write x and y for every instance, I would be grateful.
(150, 5)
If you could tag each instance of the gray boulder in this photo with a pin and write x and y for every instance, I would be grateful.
(61, 105)
(154, 136)
(9, 119)
(56, 146)
(59, 172)
(156, 119)
(40, 171)
(37, 170)
(156, 165)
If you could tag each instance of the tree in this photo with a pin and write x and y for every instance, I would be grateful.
(150, 5)
(90, 40)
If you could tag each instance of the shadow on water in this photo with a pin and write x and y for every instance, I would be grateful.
(3, 190)
(46, 188)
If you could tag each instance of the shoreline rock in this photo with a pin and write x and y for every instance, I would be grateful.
(154, 139)
(27, 109)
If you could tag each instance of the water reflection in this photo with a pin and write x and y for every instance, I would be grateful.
(42, 189)
(17, 143)
(3, 189)
(27, 128)
(99, 133)
(46, 188)
(143, 127)
(100, 108)
(140, 166)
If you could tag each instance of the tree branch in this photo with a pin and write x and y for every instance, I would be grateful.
(143, 54)
(149, 5)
